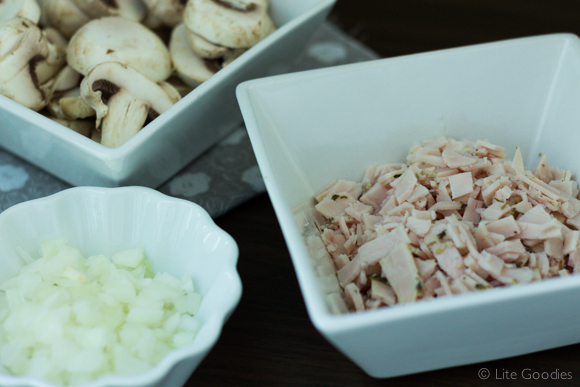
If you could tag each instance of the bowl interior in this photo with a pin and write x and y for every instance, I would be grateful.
(311, 128)
(177, 235)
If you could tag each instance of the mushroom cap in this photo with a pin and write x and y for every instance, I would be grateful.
(204, 48)
(63, 15)
(190, 68)
(114, 39)
(24, 68)
(28, 9)
(133, 10)
(168, 12)
(111, 77)
(229, 23)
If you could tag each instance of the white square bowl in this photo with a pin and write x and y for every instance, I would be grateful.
(177, 235)
(310, 128)
(176, 137)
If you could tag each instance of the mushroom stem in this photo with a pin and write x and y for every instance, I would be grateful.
(125, 118)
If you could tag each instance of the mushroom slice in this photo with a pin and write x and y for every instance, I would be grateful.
(204, 48)
(231, 55)
(66, 79)
(55, 60)
(133, 10)
(179, 85)
(229, 23)
(70, 106)
(63, 15)
(124, 100)
(84, 127)
(28, 9)
(190, 68)
(171, 91)
(23, 50)
(166, 12)
(114, 39)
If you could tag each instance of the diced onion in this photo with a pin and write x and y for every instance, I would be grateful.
(70, 320)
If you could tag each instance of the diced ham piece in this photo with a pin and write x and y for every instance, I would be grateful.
(401, 272)
(357, 210)
(426, 267)
(509, 251)
(372, 251)
(470, 214)
(419, 226)
(461, 184)
(508, 227)
(536, 215)
(490, 263)
(383, 291)
(353, 297)
(455, 159)
(495, 211)
(349, 272)
(406, 185)
(518, 162)
(571, 242)
(374, 196)
(451, 262)
(334, 206)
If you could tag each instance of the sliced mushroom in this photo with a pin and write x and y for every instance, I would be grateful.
(133, 10)
(70, 106)
(203, 48)
(84, 127)
(179, 85)
(66, 79)
(124, 100)
(231, 55)
(63, 15)
(166, 12)
(190, 68)
(56, 58)
(171, 91)
(114, 39)
(28, 9)
(229, 23)
(27, 61)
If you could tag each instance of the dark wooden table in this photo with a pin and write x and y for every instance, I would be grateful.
(269, 340)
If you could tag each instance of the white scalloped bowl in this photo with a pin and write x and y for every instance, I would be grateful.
(179, 236)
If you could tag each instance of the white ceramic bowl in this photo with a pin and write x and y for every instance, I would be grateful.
(179, 236)
(310, 128)
(176, 137)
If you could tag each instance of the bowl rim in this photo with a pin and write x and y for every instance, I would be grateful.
(134, 143)
(335, 324)
(214, 323)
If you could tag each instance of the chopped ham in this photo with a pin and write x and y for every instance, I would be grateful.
(353, 297)
(451, 262)
(374, 196)
(419, 226)
(458, 217)
(371, 252)
(406, 185)
(508, 227)
(461, 184)
(381, 290)
(426, 267)
(401, 272)
(349, 272)
(334, 206)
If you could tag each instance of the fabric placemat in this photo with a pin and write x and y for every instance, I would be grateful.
(224, 176)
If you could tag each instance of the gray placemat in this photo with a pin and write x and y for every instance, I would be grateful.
(223, 177)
